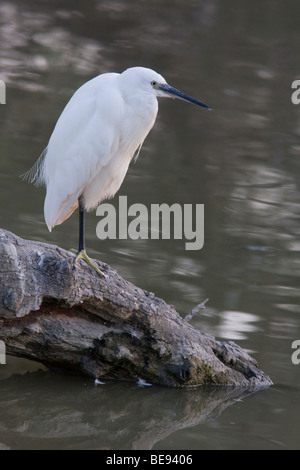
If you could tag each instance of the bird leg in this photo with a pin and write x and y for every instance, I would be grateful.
(81, 253)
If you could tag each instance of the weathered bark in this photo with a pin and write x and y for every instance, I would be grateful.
(65, 316)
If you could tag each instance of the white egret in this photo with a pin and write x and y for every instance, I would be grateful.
(99, 131)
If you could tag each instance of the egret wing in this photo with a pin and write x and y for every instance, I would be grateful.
(84, 139)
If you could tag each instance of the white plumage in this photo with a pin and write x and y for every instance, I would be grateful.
(101, 128)
(94, 140)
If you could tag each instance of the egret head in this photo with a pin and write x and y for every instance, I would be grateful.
(149, 81)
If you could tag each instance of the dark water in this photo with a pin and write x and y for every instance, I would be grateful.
(241, 161)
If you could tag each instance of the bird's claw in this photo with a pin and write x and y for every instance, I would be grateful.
(83, 255)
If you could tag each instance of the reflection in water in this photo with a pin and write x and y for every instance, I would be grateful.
(241, 161)
(236, 325)
(32, 42)
(49, 410)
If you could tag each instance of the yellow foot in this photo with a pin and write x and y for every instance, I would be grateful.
(82, 255)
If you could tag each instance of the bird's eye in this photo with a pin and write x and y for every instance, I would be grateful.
(154, 84)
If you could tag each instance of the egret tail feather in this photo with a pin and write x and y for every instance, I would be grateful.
(36, 173)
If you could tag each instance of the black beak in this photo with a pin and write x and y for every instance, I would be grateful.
(174, 93)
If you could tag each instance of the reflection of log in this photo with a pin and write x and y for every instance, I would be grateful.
(67, 317)
(40, 410)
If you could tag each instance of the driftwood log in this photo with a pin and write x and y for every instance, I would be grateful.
(67, 317)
